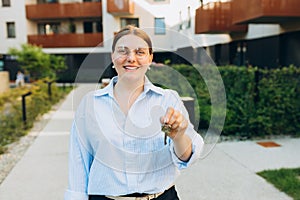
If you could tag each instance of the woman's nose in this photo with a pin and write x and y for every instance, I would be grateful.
(131, 56)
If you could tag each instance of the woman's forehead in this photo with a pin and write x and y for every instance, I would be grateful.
(132, 42)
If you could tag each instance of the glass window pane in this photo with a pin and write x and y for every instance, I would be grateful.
(11, 32)
(129, 21)
(48, 28)
(160, 26)
(5, 3)
(47, 1)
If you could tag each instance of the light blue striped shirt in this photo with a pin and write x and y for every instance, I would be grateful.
(115, 154)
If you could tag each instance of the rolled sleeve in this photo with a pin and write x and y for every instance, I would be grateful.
(197, 146)
(197, 140)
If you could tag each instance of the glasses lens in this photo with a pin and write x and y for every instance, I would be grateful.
(140, 53)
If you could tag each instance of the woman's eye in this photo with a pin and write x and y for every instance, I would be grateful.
(121, 51)
(141, 53)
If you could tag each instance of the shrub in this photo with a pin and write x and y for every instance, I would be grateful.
(11, 121)
(260, 102)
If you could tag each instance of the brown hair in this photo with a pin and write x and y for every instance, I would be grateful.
(130, 29)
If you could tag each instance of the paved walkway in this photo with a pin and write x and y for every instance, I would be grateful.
(229, 172)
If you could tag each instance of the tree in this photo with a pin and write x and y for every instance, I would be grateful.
(39, 64)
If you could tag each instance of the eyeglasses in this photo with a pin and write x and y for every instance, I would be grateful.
(140, 53)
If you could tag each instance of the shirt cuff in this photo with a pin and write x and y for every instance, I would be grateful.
(196, 150)
(72, 195)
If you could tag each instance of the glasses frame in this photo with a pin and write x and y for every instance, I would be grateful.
(139, 52)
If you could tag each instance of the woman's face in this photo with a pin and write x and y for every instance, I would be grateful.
(131, 57)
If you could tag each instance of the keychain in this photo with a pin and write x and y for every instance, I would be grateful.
(166, 128)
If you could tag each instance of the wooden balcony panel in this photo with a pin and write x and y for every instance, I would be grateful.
(67, 40)
(64, 10)
(265, 11)
(216, 18)
(120, 7)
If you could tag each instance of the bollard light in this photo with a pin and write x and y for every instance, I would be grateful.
(24, 107)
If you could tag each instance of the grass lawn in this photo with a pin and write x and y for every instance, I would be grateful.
(286, 180)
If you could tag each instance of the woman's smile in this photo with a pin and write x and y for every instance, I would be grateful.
(131, 67)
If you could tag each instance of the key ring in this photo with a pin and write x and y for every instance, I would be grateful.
(166, 128)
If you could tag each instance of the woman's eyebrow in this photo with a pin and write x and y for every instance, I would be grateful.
(125, 47)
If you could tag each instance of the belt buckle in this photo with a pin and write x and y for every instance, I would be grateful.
(148, 197)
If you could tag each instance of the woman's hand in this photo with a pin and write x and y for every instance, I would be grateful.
(177, 127)
(176, 122)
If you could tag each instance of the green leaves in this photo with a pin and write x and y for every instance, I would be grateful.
(39, 64)
(38, 103)
(259, 101)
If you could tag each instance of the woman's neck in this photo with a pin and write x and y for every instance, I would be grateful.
(126, 93)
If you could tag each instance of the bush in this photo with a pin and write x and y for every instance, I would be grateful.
(38, 103)
(278, 107)
(260, 102)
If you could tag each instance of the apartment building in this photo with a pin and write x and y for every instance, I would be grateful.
(12, 30)
(264, 33)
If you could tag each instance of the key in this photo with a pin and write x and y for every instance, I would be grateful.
(166, 128)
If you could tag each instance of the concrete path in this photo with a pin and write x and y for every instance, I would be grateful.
(228, 172)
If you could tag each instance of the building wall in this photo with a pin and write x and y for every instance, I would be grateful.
(264, 44)
(15, 13)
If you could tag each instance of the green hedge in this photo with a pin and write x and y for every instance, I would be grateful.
(259, 102)
(278, 108)
(38, 103)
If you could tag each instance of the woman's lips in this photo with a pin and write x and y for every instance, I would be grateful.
(131, 67)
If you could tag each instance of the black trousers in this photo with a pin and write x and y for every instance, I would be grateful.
(169, 194)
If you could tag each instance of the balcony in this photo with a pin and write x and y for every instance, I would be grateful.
(64, 10)
(265, 11)
(216, 17)
(120, 7)
(67, 40)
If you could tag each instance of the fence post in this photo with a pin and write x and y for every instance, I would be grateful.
(24, 107)
(49, 88)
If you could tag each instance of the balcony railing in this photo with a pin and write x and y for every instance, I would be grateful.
(216, 17)
(67, 40)
(120, 7)
(265, 11)
(64, 10)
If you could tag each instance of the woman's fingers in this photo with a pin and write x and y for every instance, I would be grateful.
(175, 120)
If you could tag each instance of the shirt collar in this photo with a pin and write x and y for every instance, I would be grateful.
(108, 90)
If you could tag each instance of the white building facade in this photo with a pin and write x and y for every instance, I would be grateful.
(78, 28)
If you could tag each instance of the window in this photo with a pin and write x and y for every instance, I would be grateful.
(47, 1)
(189, 18)
(11, 29)
(92, 27)
(5, 3)
(160, 26)
(48, 28)
(180, 21)
(129, 21)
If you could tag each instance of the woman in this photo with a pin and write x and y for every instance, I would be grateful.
(118, 149)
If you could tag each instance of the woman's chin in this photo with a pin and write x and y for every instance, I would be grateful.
(132, 76)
